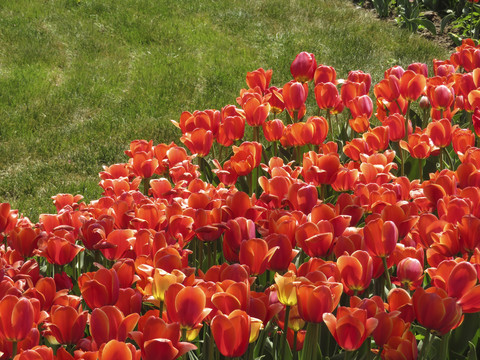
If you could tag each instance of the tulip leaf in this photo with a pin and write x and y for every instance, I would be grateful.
(445, 21)
(427, 24)
(472, 353)
(467, 331)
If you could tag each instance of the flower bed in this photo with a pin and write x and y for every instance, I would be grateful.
(323, 236)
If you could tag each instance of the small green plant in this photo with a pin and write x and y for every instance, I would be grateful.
(468, 24)
(382, 7)
(411, 17)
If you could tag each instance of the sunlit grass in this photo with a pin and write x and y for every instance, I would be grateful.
(80, 80)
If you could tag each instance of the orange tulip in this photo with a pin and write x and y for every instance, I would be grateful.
(231, 333)
(388, 89)
(186, 305)
(315, 300)
(412, 85)
(294, 95)
(199, 141)
(327, 96)
(8, 218)
(275, 99)
(359, 76)
(59, 248)
(419, 146)
(283, 252)
(401, 347)
(42, 352)
(462, 139)
(356, 271)
(161, 341)
(246, 157)
(238, 230)
(435, 310)
(320, 129)
(99, 288)
(324, 74)
(381, 237)
(117, 350)
(108, 323)
(273, 130)
(303, 67)
(255, 254)
(316, 240)
(259, 79)
(16, 317)
(25, 240)
(350, 327)
(66, 325)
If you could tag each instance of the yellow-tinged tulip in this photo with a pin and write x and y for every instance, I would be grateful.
(162, 281)
(286, 289)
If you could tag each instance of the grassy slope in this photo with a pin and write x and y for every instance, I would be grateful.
(79, 81)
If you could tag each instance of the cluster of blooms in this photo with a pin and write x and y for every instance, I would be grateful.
(341, 241)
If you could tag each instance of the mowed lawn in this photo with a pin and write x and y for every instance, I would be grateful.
(80, 79)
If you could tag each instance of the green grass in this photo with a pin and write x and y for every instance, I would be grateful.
(80, 80)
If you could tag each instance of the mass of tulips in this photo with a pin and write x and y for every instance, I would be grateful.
(287, 227)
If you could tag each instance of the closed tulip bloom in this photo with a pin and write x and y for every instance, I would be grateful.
(108, 323)
(350, 327)
(199, 141)
(303, 67)
(441, 97)
(440, 132)
(359, 76)
(361, 106)
(285, 287)
(231, 333)
(16, 317)
(314, 301)
(186, 305)
(294, 95)
(327, 96)
(324, 74)
(462, 139)
(435, 310)
(99, 288)
(255, 254)
(409, 271)
(58, 248)
(381, 237)
(117, 350)
(412, 85)
(388, 89)
(356, 270)
(8, 218)
(273, 129)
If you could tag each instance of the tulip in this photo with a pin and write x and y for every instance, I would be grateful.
(303, 67)
(199, 141)
(186, 305)
(8, 218)
(435, 310)
(117, 350)
(99, 288)
(231, 333)
(350, 327)
(16, 318)
(285, 288)
(356, 271)
(66, 325)
(108, 323)
(324, 74)
(161, 341)
(259, 78)
(314, 301)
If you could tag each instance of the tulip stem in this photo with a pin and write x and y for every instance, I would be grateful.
(311, 341)
(425, 346)
(14, 349)
(294, 349)
(285, 329)
(387, 274)
(402, 162)
(445, 340)
(5, 242)
(420, 170)
(442, 165)
(406, 121)
(146, 186)
(331, 133)
(161, 308)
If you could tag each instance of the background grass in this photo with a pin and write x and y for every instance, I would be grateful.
(80, 80)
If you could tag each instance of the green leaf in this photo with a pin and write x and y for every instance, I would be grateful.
(472, 353)
(456, 39)
(445, 21)
(430, 26)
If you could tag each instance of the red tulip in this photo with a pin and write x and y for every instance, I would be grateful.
(231, 333)
(99, 288)
(303, 67)
(186, 305)
(350, 327)
(16, 318)
(315, 300)
(66, 325)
